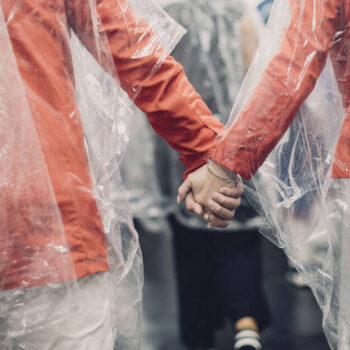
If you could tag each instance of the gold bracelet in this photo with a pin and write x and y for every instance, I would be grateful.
(227, 176)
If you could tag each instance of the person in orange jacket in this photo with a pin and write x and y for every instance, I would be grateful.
(39, 32)
(317, 30)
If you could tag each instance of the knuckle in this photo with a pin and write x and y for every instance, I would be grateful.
(228, 202)
(215, 206)
(220, 212)
(232, 215)
(227, 216)
(200, 199)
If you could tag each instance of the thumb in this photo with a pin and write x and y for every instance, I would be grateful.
(183, 190)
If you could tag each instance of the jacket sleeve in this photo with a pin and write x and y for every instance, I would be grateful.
(161, 90)
(286, 82)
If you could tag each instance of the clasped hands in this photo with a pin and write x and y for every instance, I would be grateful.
(211, 197)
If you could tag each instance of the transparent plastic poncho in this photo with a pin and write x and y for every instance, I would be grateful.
(63, 110)
(290, 122)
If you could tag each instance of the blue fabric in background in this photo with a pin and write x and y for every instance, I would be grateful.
(264, 8)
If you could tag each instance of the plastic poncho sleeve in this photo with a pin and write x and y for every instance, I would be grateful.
(286, 82)
(174, 109)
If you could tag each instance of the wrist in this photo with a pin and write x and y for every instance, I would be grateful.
(221, 172)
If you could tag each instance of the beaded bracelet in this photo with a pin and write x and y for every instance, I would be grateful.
(224, 175)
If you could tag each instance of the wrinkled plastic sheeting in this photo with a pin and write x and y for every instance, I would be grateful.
(26, 211)
(306, 211)
(28, 208)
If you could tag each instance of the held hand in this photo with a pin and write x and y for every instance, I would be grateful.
(223, 204)
(211, 197)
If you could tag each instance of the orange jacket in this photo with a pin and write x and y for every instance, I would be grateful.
(317, 29)
(39, 33)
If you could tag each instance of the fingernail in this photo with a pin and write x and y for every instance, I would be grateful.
(209, 225)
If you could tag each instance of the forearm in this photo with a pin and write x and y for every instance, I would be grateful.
(154, 81)
(285, 84)
(177, 113)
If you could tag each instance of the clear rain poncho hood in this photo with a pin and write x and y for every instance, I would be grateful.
(290, 120)
(73, 158)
